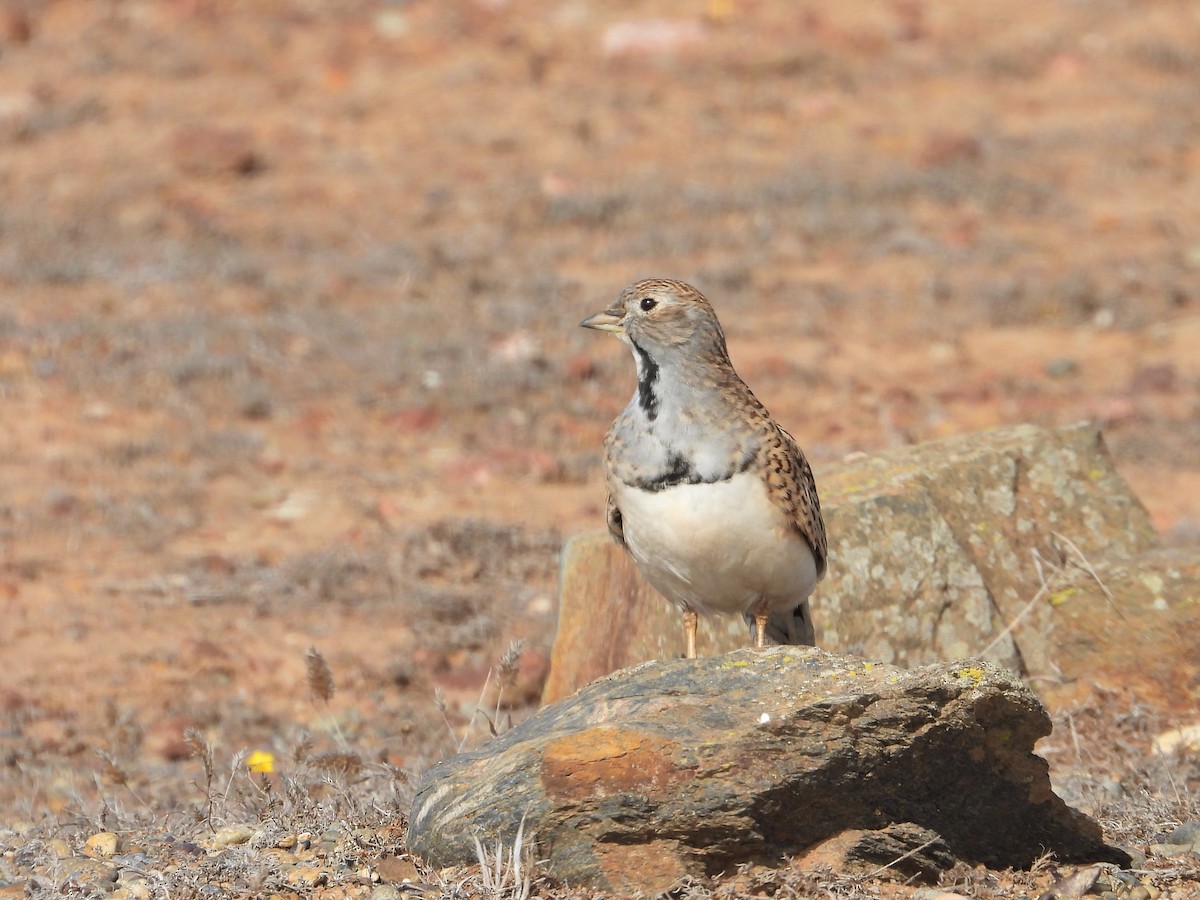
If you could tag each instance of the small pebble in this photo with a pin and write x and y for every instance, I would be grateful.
(60, 847)
(1186, 835)
(133, 860)
(307, 876)
(1077, 883)
(102, 845)
(385, 892)
(395, 869)
(1061, 368)
(1123, 880)
(230, 835)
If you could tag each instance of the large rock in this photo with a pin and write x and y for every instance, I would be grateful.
(935, 550)
(1128, 626)
(690, 767)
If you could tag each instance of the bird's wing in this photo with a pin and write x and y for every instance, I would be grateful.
(616, 525)
(792, 489)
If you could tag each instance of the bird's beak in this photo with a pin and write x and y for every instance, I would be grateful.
(609, 320)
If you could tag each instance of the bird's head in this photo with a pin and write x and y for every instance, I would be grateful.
(665, 319)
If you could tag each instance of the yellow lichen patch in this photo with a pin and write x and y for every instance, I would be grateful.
(736, 664)
(974, 673)
(1058, 598)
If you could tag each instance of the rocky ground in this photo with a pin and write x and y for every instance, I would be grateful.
(288, 363)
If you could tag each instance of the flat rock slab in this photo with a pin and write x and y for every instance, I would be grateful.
(935, 550)
(690, 767)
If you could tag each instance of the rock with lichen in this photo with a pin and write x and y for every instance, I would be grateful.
(692, 767)
(937, 551)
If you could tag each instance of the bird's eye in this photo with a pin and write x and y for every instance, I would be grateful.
(648, 303)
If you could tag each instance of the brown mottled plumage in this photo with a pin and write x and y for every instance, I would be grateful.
(714, 500)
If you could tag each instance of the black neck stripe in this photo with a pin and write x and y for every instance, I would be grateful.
(647, 379)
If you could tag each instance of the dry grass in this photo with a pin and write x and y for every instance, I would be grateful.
(330, 812)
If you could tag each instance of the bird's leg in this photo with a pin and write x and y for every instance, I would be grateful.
(760, 630)
(690, 620)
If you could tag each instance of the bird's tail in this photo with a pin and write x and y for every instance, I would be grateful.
(790, 625)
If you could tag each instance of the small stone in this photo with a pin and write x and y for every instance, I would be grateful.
(60, 848)
(17, 110)
(164, 739)
(948, 148)
(287, 842)
(1110, 789)
(16, 27)
(188, 848)
(1184, 839)
(229, 836)
(208, 150)
(102, 845)
(91, 875)
(1141, 892)
(132, 859)
(1061, 368)
(395, 870)
(385, 892)
(651, 38)
(1078, 883)
(307, 876)
(256, 402)
(1185, 835)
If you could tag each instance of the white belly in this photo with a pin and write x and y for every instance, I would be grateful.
(721, 547)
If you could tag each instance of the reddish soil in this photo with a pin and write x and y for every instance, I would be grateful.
(289, 295)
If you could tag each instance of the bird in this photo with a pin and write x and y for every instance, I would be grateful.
(715, 502)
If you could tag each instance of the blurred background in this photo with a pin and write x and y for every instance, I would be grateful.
(289, 294)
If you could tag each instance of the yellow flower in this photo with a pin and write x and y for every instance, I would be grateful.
(261, 761)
